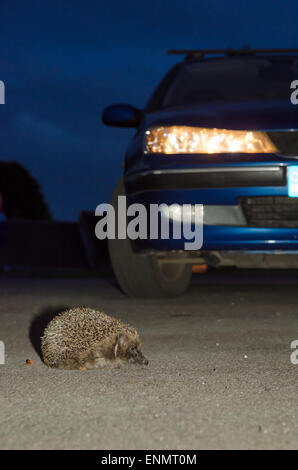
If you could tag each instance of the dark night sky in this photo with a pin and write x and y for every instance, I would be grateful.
(63, 61)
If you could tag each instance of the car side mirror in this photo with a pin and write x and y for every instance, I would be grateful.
(121, 115)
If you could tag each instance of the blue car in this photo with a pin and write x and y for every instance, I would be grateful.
(221, 130)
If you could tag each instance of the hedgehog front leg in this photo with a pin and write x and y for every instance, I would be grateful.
(91, 361)
(69, 364)
(76, 362)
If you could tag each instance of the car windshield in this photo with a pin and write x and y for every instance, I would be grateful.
(232, 80)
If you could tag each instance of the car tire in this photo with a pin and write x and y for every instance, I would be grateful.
(141, 275)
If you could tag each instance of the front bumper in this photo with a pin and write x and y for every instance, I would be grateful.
(219, 189)
(206, 178)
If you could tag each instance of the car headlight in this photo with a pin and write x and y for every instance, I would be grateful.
(185, 139)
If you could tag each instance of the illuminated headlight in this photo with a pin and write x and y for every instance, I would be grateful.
(184, 139)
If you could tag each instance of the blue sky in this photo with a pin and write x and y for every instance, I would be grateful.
(63, 61)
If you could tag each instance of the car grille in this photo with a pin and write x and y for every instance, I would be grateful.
(286, 142)
(277, 211)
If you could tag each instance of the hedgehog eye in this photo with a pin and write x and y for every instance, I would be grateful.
(132, 347)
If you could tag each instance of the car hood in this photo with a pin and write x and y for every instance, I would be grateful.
(261, 115)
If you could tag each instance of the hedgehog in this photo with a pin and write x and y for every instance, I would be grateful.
(83, 338)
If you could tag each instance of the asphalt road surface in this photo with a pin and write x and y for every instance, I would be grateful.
(220, 374)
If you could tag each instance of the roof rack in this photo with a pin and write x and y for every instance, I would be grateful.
(200, 53)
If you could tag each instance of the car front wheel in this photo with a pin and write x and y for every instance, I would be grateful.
(144, 275)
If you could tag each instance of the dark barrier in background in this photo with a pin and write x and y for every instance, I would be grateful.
(53, 244)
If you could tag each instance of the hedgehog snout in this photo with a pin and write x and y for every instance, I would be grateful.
(138, 356)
